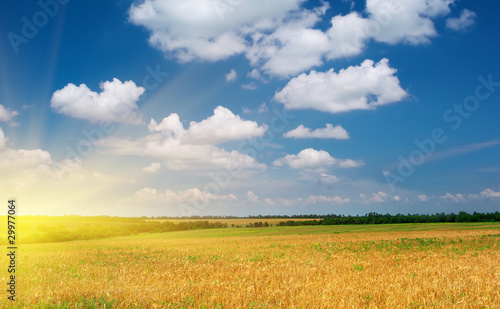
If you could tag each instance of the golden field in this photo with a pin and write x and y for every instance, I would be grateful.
(393, 266)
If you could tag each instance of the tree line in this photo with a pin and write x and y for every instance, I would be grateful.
(375, 218)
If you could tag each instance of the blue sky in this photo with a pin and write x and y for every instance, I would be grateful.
(203, 107)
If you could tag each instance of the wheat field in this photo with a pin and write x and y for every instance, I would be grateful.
(337, 268)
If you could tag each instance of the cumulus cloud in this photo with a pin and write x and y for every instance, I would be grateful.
(223, 126)
(347, 35)
(328, 179)
(263, 108)
(204, 30)
(379, 197)
(330, 131)
(252, 197)
(488, 193)
(394, 21)
(152, 168)
(314, 199)
(7, 115)
(280, 37)
(192, 196)
(349, 163)
(463, 198)
(34, 170)
(307, 159)
(361, 87)
(255, 74)
(18, 158)
(269, 201)
(466, 20)
(260, 110)
(314, 159)
(293, 46)
(249, 86)
(194, 147)
(454, 197)
(117, 102)
(423, 198)
(288, 201)
(231, 76)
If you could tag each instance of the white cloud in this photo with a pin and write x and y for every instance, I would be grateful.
(314, 159)
(330, 131)
(488, 193)
(423, 198)
(379, 197)
(347, 35)
(18, 158)
(466, 19)
(279, 37)
(388, 21)
(222, 127)
(269, 201)
(314, 199)
(262, 109)
(246, 110)
(34, 175)
(294, 46)
(152, 168)
(204, 30)
(255, 74)
(193, 148)
(349, 163)
(394, 21)
(117, 102)
(7, 115)
(231, 76)
(147, 194)
(3, 140)
(180, 156)
(288, 202)
(192, 196)
(462, 198)
(249, 86)
(307, 159)
(454, 197)
(328, 179)
(357, 87)
(252, 197)
(35, 169)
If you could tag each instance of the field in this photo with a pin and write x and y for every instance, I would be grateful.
(362, 266)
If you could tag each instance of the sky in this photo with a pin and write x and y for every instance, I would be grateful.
(238, 107)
